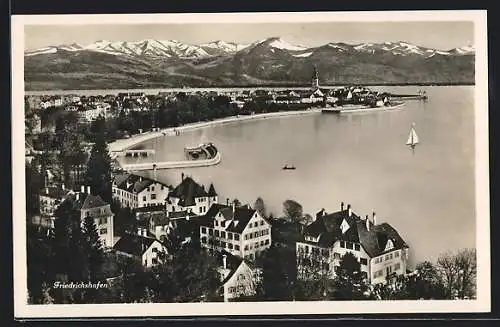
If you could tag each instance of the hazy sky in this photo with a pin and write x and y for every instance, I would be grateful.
(439, 35)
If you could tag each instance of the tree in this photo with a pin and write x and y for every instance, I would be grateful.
(188, 275)
(306, 219)
(458, 271)
(124, 220)
(279, 270)
(349, 282)
(67, 242)
(92, 247)
(292, 210)
(98, 174)
(260, 207)
(237, 203)
(34, 183)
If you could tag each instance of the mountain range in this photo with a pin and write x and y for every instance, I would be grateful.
(273, 61)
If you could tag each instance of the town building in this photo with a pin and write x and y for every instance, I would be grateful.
(239, 277)
(241, 231)
(190, 197)
(49, 200)
(141, 247)
(94, 206)
(89, 114)
(135, 191)
(381, 251)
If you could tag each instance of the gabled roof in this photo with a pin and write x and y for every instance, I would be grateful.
(328, 228)
(133, 183)
(211, 190)
(187, 191)
(236, 222)
(92, 201)
(133, 244)
(232, 263)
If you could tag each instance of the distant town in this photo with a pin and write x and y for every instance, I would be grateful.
(89, 219)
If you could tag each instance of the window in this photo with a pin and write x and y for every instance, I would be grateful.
(217, 233)
(222, 223)
(363, 261)
(223, 244)
(204, 240)
(144, 198)
(324, 252)
(256, 224)
(154, 250)
(396, 254)
(237, 237)
(261, 243)
(336, 255)
(267, 242)
(237, 247)
(397, 266)
(246, 248)
(342, 244)
(246, 236)
(390, 256)
(153, 196)
(256, 244)
(232, 290)
(103, 231)
(203, 230)
(386, 257)
(210, 232)
(230, 246)
(262, 222)
(152, 188)
(357, 247)
(241, 277)
(230, 236)
(216, 223)
(223, 234)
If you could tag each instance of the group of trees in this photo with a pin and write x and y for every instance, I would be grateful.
(72, 253)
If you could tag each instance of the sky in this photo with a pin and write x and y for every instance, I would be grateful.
(437, 35)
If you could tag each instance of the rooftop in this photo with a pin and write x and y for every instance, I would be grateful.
(340, 226)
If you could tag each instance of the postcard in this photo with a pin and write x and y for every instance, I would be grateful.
(250, 164)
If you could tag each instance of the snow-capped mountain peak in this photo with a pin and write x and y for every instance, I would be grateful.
(279, 43)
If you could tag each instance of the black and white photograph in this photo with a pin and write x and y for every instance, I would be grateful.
(250, 164)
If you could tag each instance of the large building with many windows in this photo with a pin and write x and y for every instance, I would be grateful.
(379, 248)
(241, 231)
(190, 197)
(135, 191)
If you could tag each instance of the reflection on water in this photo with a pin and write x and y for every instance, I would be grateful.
(360, 159)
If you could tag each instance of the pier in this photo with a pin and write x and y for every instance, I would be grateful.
(172, 164)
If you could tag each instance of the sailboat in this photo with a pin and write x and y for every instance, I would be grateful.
(412, 137)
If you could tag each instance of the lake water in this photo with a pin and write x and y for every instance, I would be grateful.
(361, 159)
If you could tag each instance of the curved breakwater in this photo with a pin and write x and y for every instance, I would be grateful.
(173, 164)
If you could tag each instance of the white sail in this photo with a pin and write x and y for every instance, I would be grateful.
(412, 138)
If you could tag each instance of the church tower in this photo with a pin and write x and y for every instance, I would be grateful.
(315, 79)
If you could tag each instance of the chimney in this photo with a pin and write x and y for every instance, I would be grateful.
(324, 212)
(224, 261)
(367, 221)
(349, 211)
(234, 208)
(88, 189)
(82, 189)
(182, 176)
(341, 206)
(366, 217)
(227, 201)
(374, 218)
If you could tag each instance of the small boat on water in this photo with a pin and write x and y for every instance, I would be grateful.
(412, 137)
(287, 167)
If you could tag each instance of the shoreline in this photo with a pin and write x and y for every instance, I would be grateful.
(125, 144)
